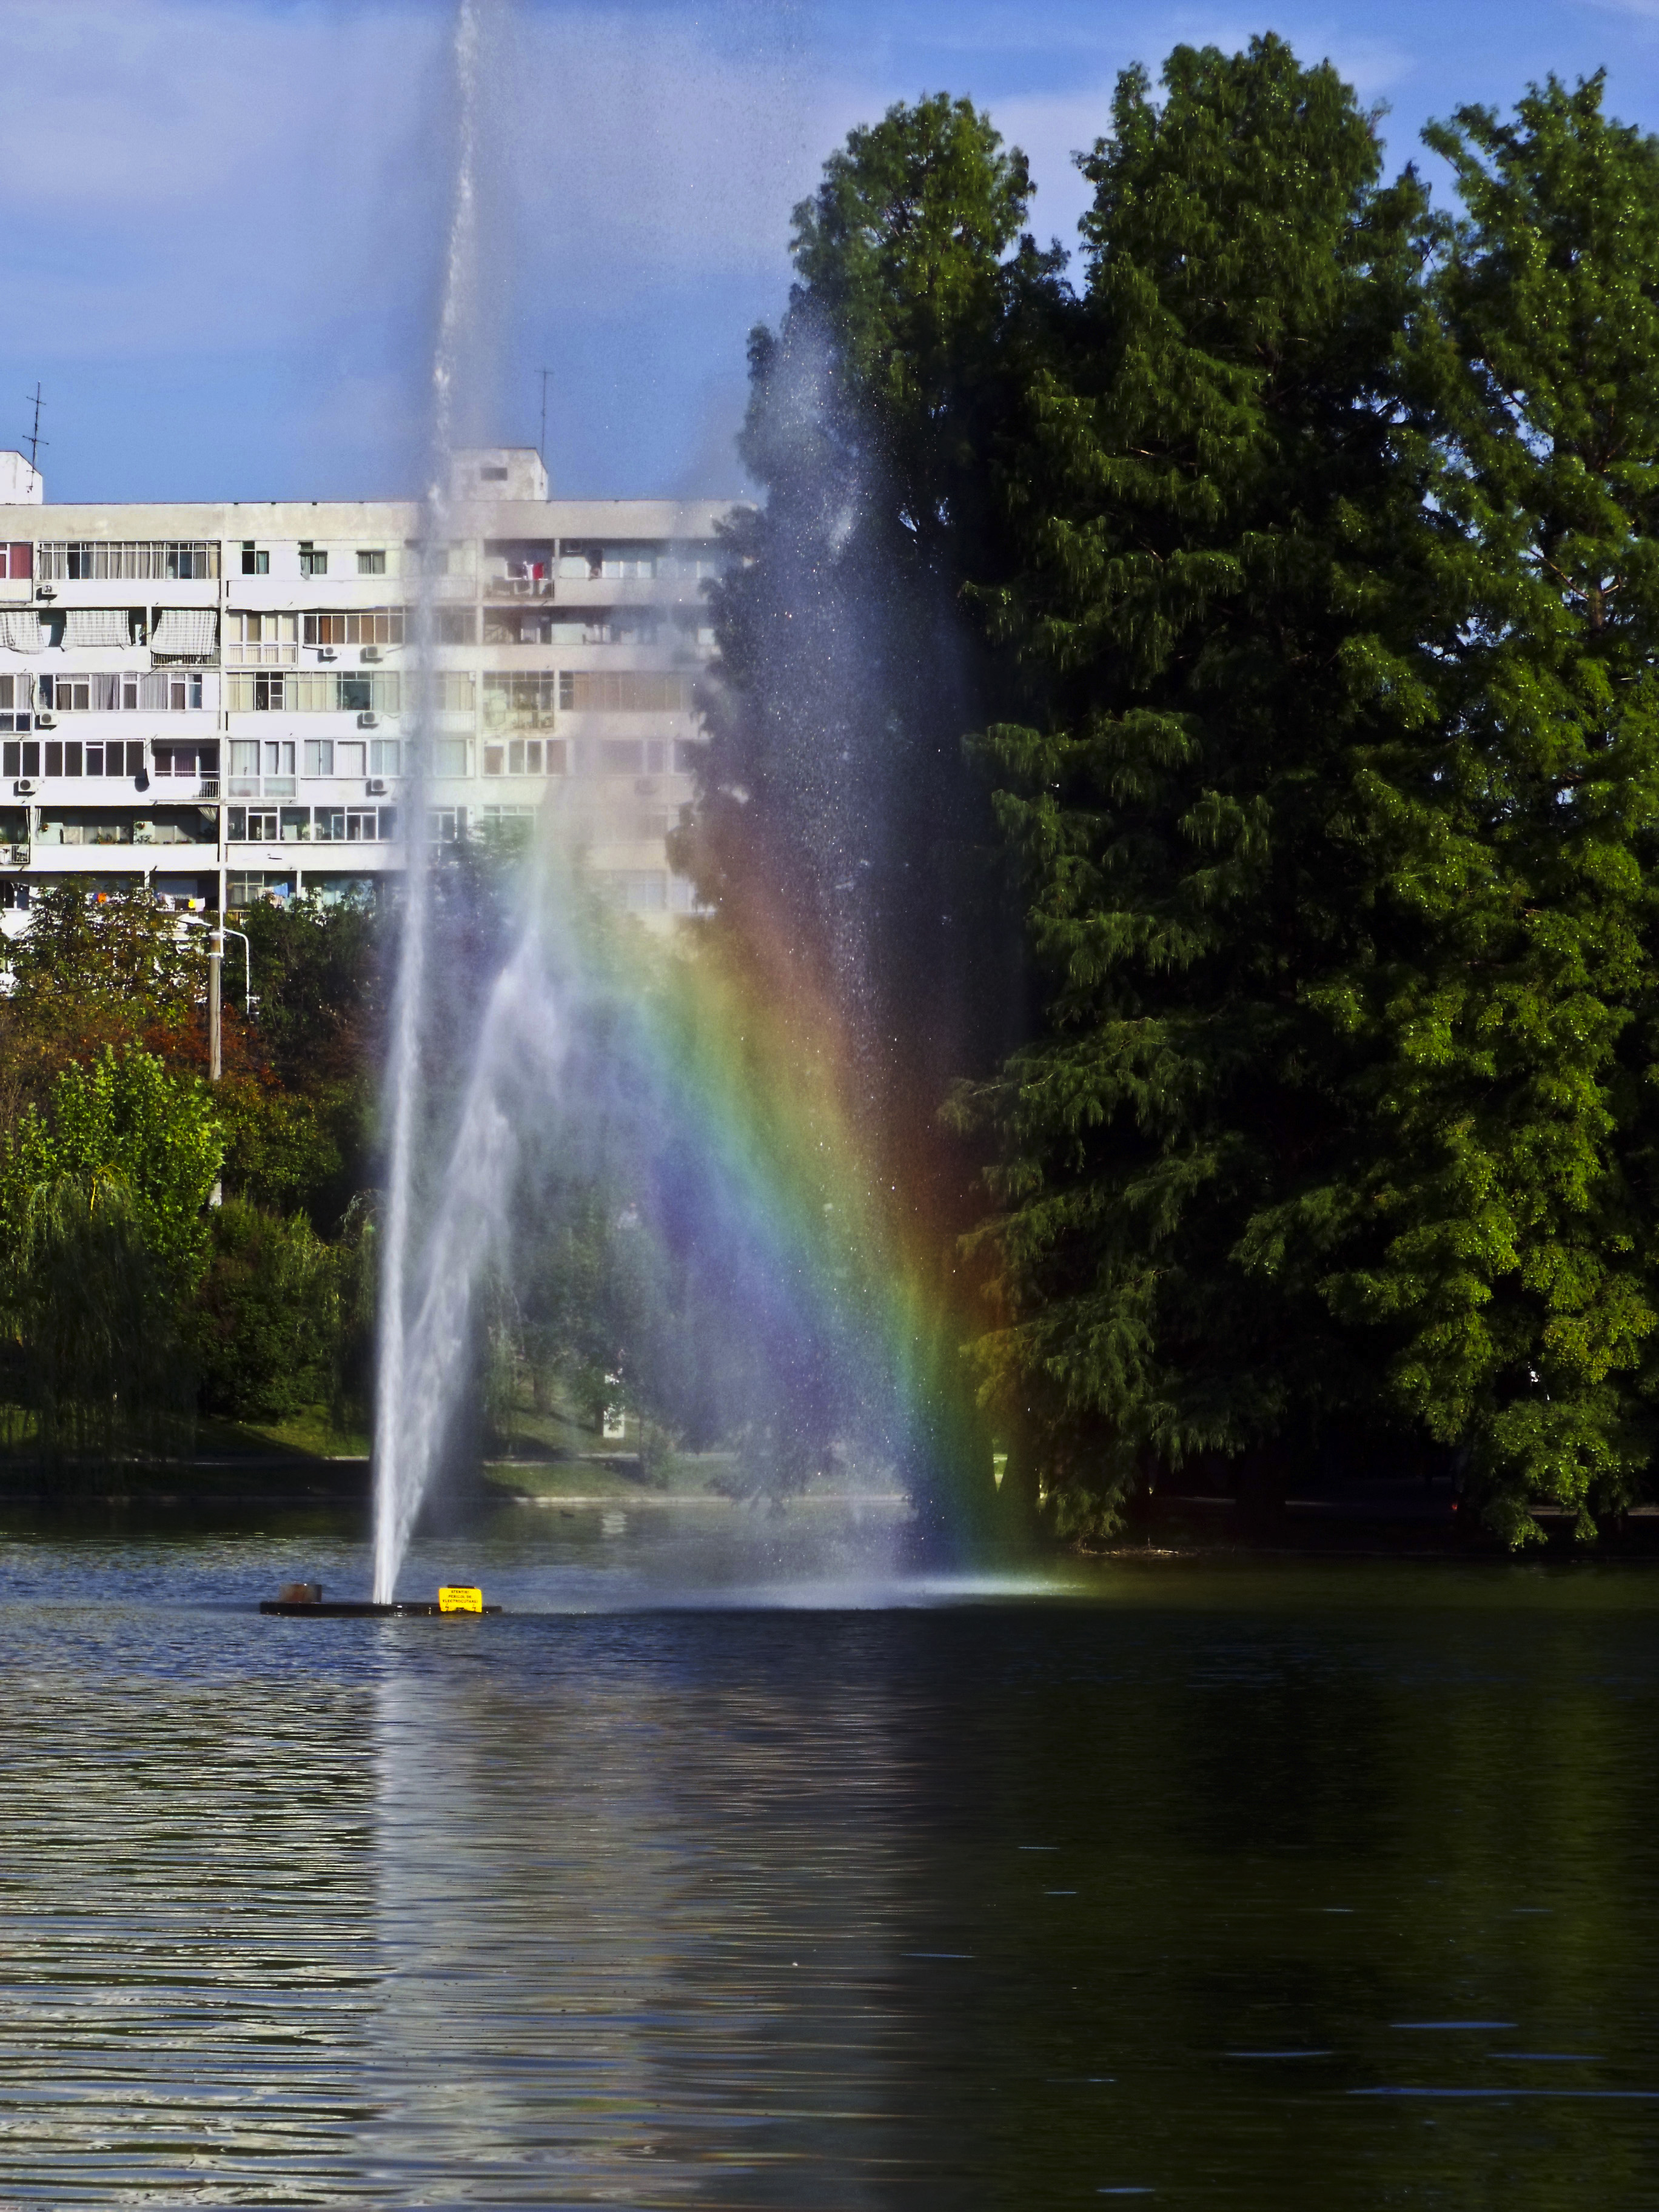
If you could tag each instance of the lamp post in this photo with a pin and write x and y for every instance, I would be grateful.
(217, 932)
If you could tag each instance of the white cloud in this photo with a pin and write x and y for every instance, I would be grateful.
(182, 172)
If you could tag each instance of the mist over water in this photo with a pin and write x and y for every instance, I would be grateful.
(558, 1088)
(405, 1391)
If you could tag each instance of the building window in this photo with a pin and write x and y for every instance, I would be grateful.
(632, 692)
(386, 756)
(311, 563)
(16, 561)
(449, 756)
(256, 561)
(448, 692)
(113, 691)
(267, 639)
(101, 559)
(627, 560)
(350, 825)
(447, 825)
(336, 756)
(520, 703)
(116, 756)
(371, 562)
(323, 691)
(249, 889)
(524, 756)
(193, 760)
(19, 757)
(640, 891)
(456, 626)
(372, 625)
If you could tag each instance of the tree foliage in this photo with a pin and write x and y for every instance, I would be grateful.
(1304, 552)
(104, 1238)
(836, 834)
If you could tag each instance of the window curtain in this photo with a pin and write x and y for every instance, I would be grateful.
(96, 626)
(185, 634)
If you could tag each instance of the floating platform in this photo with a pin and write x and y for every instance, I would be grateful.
(362, 1609)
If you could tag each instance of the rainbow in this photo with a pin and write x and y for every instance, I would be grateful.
(775, 1146)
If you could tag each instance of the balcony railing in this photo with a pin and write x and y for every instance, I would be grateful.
(518, 587)
(207, 787)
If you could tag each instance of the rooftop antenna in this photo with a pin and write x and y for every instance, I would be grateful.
(542, 448)
(36, 440)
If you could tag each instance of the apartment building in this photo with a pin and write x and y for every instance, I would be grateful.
(223, 699)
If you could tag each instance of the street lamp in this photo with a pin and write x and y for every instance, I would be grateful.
(217, 932)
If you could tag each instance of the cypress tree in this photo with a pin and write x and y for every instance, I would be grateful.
(1514, 1192)
(1225, 614)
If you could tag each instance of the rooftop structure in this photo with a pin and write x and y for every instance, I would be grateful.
(221, 699)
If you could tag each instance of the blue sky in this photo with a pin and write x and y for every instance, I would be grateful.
(226, 217)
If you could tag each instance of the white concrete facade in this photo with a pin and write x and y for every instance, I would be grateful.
(222, 699)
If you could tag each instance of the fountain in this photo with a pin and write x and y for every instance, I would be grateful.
(399, 1480)
(708, 1107)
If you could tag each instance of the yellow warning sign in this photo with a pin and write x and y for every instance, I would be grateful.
(453, 1598)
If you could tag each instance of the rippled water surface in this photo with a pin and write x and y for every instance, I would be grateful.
(1267, 1888)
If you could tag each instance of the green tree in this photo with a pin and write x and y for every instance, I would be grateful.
(102, 1226)
(92, 971)
(299, 1096)
(123, 1120)
(837, 812)
(1518, 1185)
(267, 1315)
(1227, 611)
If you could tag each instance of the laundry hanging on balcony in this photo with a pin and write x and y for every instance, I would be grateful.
(22, 630)
(185, 634)
(97, 626)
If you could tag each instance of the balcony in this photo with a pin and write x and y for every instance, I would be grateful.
(207, 787)
(518, 587)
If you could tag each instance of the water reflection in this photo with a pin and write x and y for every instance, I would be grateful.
(1304, 1891)
(635, 1938)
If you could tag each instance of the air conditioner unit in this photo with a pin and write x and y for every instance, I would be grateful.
(24, 787)
(45, 591)
(368, 722)
(326, 652)
(377, 786)
(46, 721)
(372, 652)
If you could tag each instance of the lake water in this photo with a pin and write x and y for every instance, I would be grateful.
(1259, 1886)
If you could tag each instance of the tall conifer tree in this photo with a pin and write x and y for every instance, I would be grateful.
(1516, 1189)
(1223, 614)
